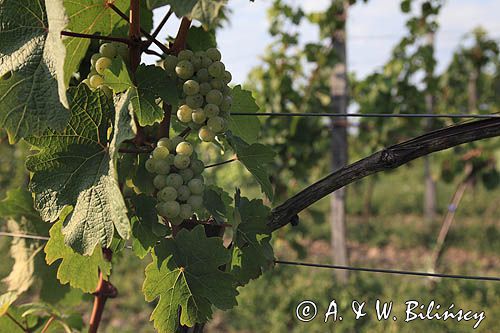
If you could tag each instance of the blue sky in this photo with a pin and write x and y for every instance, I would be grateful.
(373, 29)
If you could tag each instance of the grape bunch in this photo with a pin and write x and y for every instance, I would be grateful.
(178, 179)
(101, 61)
(205, 94)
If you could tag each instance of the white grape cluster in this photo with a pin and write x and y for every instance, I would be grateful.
(101, 61)
(178, 179)
(206, 98)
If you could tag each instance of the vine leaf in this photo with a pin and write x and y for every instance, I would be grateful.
(76, 168)
(246, 127)
(218, 203)
(187, 276)
(32, 90)
(199, 39)
(77, 270)
(205, 11)
(252, 252)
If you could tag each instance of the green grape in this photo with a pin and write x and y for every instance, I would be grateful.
(183, 193)
(217, 84)
(217, 69)
(227, 91)
(200, 177)
(102, 64)
(206, 134)
(186, 211)
(169, 209)
(197, 62)
(106, 90)
(196, 201)
(181, 162)
(122, 50)
(165, 142)
(191, 87)
(214, 54)
(227, 77)
(195, 126)
(95, 57)
(195, 101)
(150, 166)
(226, 104)
(92, 73)
(160, 153)
(167, 194)
(196, 186)
(187, 174)
(184, 69)
(211, 110)
(170, 63)
(205, 87)
(170, 159)
(202, 75)
(197, 167)
(174, 180)
(87, 82)
(184, 148)
(175, 141)
(95, 81)
(184, 114)
(162, 167)
(108, 50)
(206, 62)
(214, 97)
(216, 124)
(185, 55)
(198, 116)
(160, 181)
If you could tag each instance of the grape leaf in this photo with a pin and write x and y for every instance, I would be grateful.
(218, 203)
(32, 91)
(246, 127)
(145, 225)
(199, 39)
(205, 11)
(187, 276)
(252, 253)
(77, 270)
(75, 168)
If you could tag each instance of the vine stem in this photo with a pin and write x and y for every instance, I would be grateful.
(107, 38)
(25, 329)
(157, 30)
(221, 163)
(47, 325)
(181, 38)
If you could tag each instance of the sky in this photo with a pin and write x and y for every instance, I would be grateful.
(373, 29)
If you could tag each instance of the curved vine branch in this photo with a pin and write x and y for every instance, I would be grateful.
(386, 159)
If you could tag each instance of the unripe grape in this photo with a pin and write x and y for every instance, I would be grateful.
(181, 162)
(206, 134)
(122, 50)
(184, 114)
(95, 81)
(191, 87)
(205, 87)
(197, 167)
(174, 180)
(184, 148)
(195, 101)
(196, 201)
(160, 181)
(167, 194)
(165, 142)
(196, 186)
(162, 167)
(206, 62)
(202, 75)
(176, 220)
(217, 84)
(102, 64)
(187, 174)
(92, 73)
(150, 166)
(216, 124)
(214, 54)
(197, 62)
(108, 50)
(175, 141)
(211, 110)
(226, 104)
(183, 193)
(170, 159)
(198, 116)
(185, 55)
(227, 91)
(195, 126)
(169, 209)
(186, 211)
(95, 57)
(227, 77)
(106, 90)
(184, 69)
(87, 82)
(214, 97)
(200, 178)
(160, 153)
(217, 69)
(170, 63)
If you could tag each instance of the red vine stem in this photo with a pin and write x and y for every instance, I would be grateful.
(164, 129)
(108, 38)
(47, 325)
(181, 38)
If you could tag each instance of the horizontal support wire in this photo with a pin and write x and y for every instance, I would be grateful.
(368, 115)
(293, 263)
(389, 271)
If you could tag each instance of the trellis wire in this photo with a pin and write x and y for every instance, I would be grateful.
(369, 115)
(349, 268)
